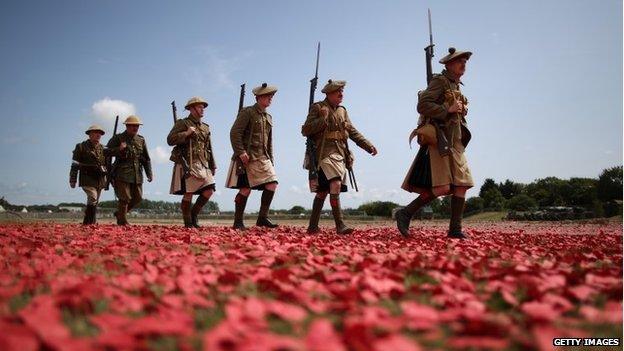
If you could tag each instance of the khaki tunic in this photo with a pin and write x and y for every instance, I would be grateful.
(433, 104)
(128, 167)
(197, 151)
(252, 132)
(130, 163)
(330, 137)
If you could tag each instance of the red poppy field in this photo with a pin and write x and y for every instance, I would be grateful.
(513, 286)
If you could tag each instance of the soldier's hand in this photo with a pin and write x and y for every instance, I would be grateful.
(244, 158)
(324, 112)
(373, 151)
(72, 185)
(122, 146)
(455, 107)
(150, 178)
(190, 131)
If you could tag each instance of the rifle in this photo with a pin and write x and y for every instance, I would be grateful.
(429, 50)
(109, 160)
(241, 99)
(240, 168)
(428, 58)
(352, 180)
(310, 145)
(185, 165)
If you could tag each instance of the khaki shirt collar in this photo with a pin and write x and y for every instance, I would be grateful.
(326, 101)
(196, 120)
(259, 108)
(448, 75)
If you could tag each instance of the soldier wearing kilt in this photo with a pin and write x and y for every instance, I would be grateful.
(329, 125)
(252, 165)
(440, 167)
(194, 163)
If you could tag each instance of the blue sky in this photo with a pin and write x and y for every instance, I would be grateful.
(544, 83)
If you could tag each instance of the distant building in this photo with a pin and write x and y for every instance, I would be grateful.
(24, 210)
(2, 209)
(70, 208)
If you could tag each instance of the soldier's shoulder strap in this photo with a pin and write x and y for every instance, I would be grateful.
(181, 122)
(317, 105)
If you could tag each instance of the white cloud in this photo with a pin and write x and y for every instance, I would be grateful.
(160, 155)
(215, 70)
(296, 190)
(106, 109)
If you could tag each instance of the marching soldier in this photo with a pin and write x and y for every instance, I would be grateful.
(194, 169)
(252, 163)
(89, 160)
(131, 158)
(329, 125)
(440, 167)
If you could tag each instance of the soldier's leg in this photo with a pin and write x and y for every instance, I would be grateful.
(458, 200)
(91, 193)
(317, 207)
(136, 191)
(122, 191)
(334, 200)
(265, 204)
(185, 206)
(240, 202)
(136, 196)
(95, 205)
(441, 190)
(404, 215)
(201, 201)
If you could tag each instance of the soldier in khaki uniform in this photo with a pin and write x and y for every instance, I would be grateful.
(442, 169)
(89, 160)
(329, 125)
(131, 158)
(194, 168)
(252, 163)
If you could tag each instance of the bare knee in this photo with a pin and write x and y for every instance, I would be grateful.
(321, 195)
(460, 191)
(244, 191)
(271, 186)
(207, 193)
(187, 197)
(334, 186)
(441, 190)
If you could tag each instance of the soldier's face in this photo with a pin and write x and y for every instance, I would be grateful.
(457, 67)
(335, 97)
(132, 129)
(197, 110)
(95, 136)
(265, 100)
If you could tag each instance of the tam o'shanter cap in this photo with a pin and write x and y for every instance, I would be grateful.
(333, 85)
(454, 54)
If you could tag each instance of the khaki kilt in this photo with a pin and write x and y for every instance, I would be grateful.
(199, 179)
(334, 167)
(259, 172)
(445, 170)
